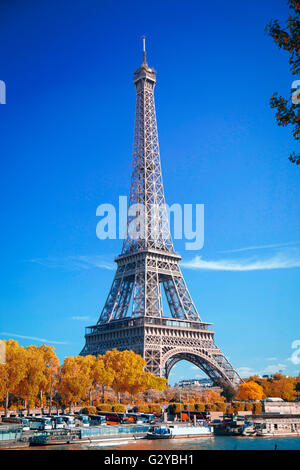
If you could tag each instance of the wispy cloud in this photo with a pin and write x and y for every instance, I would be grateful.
(81, 318)
(277, 261)
(33, 338)
(261, 247)
(76, 262)
(245, 371)
(273, 368)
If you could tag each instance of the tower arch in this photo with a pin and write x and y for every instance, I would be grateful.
(202, 359)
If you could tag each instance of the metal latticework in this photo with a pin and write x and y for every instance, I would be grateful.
(146, 192)
(133, 317)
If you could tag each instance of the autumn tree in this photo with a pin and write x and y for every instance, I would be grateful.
(250, 391)
(129, 374)
(157, 383)
(50, 372)
(128, 367)
(155, 386)
(282, 387)
(288, 39)
(76, 378)
(102, 374)
(33, 379)
(297, 384)
(13, 371)
(277, 386)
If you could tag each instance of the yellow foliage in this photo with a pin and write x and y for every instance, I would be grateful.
(250, 391)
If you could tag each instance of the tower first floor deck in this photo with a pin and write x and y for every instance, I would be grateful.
(136, 333)
(163, 342)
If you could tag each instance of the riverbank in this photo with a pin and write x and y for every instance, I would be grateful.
(209, 444)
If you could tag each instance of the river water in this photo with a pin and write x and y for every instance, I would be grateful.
(209, 443)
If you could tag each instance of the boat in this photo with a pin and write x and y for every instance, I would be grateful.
(172, 431)
(159, 432)
(82, 435)
(53, 437)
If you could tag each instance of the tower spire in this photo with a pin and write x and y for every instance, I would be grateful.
(144, 49)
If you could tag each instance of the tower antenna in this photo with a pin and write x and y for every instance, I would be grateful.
(144, 49)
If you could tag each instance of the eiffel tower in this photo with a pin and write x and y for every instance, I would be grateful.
(132, 317)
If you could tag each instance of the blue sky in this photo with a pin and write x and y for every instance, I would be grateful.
(66, 144)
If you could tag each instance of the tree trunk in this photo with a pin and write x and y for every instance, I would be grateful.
(41, 399)
(28, 407)
(6, 404)
(103, 390)
(70, 407)
(51, 391)
(90, 396)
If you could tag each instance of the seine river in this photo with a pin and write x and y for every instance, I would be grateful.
(210, 443)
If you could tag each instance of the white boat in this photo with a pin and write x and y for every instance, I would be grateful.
(171, 431)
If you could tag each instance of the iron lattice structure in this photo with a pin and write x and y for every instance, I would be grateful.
(132, 317)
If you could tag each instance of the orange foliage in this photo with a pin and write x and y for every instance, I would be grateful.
(250, 391)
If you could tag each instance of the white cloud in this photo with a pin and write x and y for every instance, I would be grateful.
(245, 371)
(76, 262)
(278, 261)
(260, 247)
(39, 340)
(273, 368)
(271, 358)
(81, 318)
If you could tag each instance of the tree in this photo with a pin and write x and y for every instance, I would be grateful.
(282, 387)
(297, 384)
(129, 375)
(103, 375)
(76, 378)
(250, 391)
(289, 40)
(33, 379)
(277, 386)
(228, 392)
(157, 383)
(13, 371)
(50, 372)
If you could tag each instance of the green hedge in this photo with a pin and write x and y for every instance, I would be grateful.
(248, 406)
(256, 408)
(210, 407)
(174, 408)
(104, 407)
(220, 406)
(154, 408)
(199, 406)
(238, 406)
(143, 409)
(119, 408)
(88, 410)
(188, 407)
